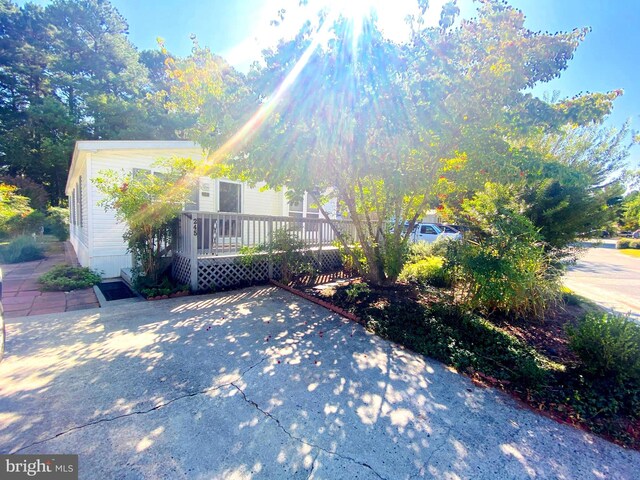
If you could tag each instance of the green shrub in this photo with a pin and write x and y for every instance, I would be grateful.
(287, 249)
(65, 278)
(428, 271)
(608, 346)
(13, 207)
(57, 223)
(623, 243)
(507, 268)
(421, 250)
(458, 338)
(353, 262)
(164, 288)
(505, 274)
(21, 249)
(357, 291)
(627, 243)
(607, 381)
(28, 224)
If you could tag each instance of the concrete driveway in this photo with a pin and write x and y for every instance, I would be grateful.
(607, 277)
(261, 384)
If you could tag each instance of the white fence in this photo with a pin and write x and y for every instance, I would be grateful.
(208, 242)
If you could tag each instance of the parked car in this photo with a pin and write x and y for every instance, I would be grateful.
(450, 231)
(626, 234)
(599, 234)
(430, 232)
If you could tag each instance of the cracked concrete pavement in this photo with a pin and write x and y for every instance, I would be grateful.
(261, 384)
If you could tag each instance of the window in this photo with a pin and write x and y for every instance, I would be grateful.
(304, 208)
(427, 230)
(72, 207)
(230, 199)
(296, 208)
(79, 202)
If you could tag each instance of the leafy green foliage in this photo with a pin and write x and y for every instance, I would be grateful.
(28, 224)
(66, 277)
(607, 381)
(165, 288)
(21, 249)
(506, 269)
(627, 243)
(428, 271)
(70, 72)
(13, 208)
(37, 195)
(631, 211)
(353, 259)
(422, 250)
(289, 253)
(149, 205)
(608, 346)
(357, 291)
(57, 223)
(374, 122)
(206, 88)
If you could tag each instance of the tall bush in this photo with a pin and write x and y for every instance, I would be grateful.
(148, 204)
(35, 192)
(13, 207)
(506, 269)
(608, 345)
(288, 250)
(57, 223)
(27, 224)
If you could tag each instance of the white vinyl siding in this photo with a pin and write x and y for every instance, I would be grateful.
(99, 243)
(79, 215)
(265, 202)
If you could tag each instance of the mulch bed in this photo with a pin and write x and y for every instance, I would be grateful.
(548, 336)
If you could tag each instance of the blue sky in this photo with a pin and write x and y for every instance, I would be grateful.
(608, 59)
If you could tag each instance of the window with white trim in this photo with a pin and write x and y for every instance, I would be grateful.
(79, 202)
(229, 197)
(72, 207)
(304, 208)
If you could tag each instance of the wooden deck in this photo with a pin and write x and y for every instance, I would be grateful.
(210, 246)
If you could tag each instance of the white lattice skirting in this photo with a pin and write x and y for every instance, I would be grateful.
(181, 269)
(232, 271)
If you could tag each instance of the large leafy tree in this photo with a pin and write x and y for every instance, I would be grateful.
(69, 72)
(573, 184)
(385, 126)
(631, 210)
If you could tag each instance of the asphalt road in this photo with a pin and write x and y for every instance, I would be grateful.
(258, 383)
(608, 277)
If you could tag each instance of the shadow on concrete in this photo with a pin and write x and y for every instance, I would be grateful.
(258, 383)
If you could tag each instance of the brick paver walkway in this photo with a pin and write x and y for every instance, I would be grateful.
(21, 295)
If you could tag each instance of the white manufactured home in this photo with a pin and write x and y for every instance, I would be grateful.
(226, 210)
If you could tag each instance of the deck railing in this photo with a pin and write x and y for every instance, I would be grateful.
(214, 234)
